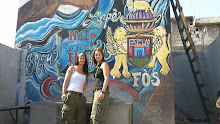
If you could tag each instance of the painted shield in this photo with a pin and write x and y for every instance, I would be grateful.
(139, 50)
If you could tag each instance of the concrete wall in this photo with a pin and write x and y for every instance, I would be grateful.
(50, 113)
(175, 35)
(186, 92)
(9, 69)
(203, 32)
(212, 60)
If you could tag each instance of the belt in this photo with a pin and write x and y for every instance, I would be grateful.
(96, 89)
(76, 93)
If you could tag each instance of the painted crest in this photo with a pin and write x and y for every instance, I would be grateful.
(139, 50)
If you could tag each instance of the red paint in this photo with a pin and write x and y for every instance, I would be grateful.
(70, 56)
(131, 51)
(46, 86)
(86, 35)
(125, 87)
(74, 35)
(71, 35)
(148, 51)
(119, 84)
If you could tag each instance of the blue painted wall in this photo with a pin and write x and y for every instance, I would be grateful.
(50, 43)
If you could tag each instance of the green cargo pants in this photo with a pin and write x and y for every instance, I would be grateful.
(99, 107)
(74, 110)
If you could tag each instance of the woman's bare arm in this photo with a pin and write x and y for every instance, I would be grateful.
(69, 72)
(84, 87)
(105, 68)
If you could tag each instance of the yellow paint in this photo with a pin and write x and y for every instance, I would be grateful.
(162, 51)
(140, 5)
(117, 47)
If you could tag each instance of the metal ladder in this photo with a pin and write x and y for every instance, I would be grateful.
(198, 73)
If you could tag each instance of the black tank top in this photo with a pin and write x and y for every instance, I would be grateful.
(99, 78)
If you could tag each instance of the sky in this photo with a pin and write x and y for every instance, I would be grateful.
(9, 12)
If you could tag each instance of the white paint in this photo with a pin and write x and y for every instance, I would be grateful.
(136, 78)
(146, 78)
(67, 9)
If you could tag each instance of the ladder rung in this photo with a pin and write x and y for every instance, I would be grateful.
(175, 7)
(198, 72)
(182, 29)
(180, 9)
(187, 49)
(180, 19)
(195, 58)
(190, 33)
(179, 6)
(186, 39)
(202, 85)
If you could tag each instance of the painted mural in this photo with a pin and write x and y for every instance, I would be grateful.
(135, 36)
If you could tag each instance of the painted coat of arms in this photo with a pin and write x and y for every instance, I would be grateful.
(139, 41)
(139, 50)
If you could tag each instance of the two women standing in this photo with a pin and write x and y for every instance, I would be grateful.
(74, 107)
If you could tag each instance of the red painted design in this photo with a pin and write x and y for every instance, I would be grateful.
(130, 90)
(46, 86)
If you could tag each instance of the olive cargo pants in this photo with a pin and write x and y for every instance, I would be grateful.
(99, 107)
(74, 110)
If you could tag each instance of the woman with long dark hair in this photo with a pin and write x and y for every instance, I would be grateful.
(74, 107)
(101, 91)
